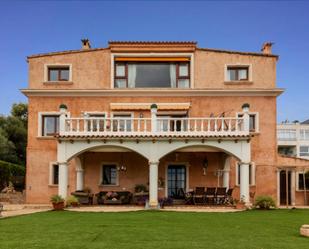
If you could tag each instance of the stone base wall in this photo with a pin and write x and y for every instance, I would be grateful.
(13, 198)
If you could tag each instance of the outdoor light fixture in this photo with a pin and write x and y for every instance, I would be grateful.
(122, 167)
(205, 165)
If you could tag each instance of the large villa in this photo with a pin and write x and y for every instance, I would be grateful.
(169, 118)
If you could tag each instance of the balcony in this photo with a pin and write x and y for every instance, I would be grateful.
(153, 127)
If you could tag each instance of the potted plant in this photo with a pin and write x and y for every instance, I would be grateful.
(72, 201)
(240, 204)
(58, 202)
(264, 202)
(140, 188)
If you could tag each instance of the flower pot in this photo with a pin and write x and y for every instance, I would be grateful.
(240, 205)
(58, 206)
(74, 204)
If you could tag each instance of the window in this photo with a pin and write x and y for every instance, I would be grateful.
(253, 122)
(172, 122)
(54, 174)
(152, 74)
(301, 179)
(304, 134)
(304, 151)
(109, 174)
(50, 125)
(286, 134)
(287, 150)
(97, 123)
(59, 73)
(251, 174)
(237, 73)
(122, 121)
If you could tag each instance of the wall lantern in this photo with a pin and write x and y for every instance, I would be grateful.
(122, 167)
(205, 166)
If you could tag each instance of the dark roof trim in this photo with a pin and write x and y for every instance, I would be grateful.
(152, 42)
(66, 52)
(237, 52)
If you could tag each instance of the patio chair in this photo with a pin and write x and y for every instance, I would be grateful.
(210, 195)
(220, 195)
(188, 196)
(199, 195)
(228, 198)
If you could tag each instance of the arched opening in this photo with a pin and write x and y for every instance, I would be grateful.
(190, 167)
(104, 169)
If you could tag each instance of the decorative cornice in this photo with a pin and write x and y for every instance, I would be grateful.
(151, 92)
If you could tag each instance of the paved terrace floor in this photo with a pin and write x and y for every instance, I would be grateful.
(11, 210)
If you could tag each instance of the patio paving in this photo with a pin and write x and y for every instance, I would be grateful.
(10, 210)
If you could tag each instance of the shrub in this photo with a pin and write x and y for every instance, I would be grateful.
(140, 188)
(264, 202)
(56, 199)
(72, 200)
(10, 172)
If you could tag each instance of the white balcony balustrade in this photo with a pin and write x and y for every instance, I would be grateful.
(163, 126)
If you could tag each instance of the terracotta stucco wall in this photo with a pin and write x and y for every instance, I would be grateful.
(42, 151)
(92, 70)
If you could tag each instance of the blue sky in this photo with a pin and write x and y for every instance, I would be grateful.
(33, 27)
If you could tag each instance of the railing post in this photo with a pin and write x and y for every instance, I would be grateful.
(154, 109)
(245, 109)
(63, 113)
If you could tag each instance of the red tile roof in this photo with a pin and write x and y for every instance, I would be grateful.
(153, 42)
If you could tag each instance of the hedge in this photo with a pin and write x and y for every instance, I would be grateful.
(9, 172)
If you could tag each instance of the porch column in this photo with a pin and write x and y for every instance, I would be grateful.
(79, 179)
(63, 179)
(226, 173)
(244, 182)
(293, 185)
(154, 109)
(79, 174)
(226, 179)
(153, 184)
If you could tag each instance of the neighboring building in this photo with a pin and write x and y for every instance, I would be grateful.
(169, 115)
(293, 139)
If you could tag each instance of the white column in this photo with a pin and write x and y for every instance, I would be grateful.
(226, 179)
(154, 109)
(153, 184)
(293, 186)
(63, 114)
(226, 173)
(244, 182)
(79, 179)
(63, 179)
(245, 109)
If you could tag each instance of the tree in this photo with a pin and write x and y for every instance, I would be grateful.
(13, 135)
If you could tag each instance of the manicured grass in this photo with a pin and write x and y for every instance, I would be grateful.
(155, 229)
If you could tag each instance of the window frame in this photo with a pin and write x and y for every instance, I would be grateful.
(48, 67)
(304, 146)
(298, 173)
(52, 174)
(102, 172)
(190, 56)
(124, 114)
(256, 125)
(126, 76)
(238, 66)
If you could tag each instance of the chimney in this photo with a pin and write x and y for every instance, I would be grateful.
(266, 48)
(85, 44)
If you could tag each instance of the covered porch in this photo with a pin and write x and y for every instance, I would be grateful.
(169, 161)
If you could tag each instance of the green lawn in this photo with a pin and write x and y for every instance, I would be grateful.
(155, 229)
